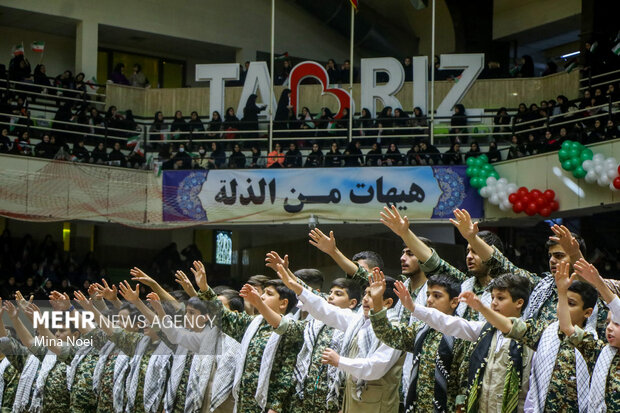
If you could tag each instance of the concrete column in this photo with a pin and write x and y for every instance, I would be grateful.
(86, 44)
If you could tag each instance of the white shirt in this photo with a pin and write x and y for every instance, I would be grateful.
(369, 368)
(448, 324)
(614, 308)
(203, 342)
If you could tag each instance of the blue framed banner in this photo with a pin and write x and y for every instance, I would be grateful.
(339, 194)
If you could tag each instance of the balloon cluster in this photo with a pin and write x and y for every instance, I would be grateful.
(479, 170)
(497, 191)
(605, 172)
(533, 202)
(583, 163)
(572, 156)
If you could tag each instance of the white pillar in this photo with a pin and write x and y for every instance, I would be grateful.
(86, 45)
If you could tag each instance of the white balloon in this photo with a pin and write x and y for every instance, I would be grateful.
(612, 173)
(599, 157)
(591, 177)
(494, 199)
(603, 180)
(502, 181)
(491, 181)
(587, 164)
(612, 187)
(505, 207)
(512, 188)
(598, 169)
(611, 162)
(484, 192)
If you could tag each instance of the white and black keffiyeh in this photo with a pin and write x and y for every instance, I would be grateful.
(156, 377)
(3, 365)
(131, 382)
(26, 380)
(468, 285)
(176, 373)
(121, 367)
(420, 300)
(540, 294)
(105, 352)
(599, 380)
(48, 363)
(225, 373)
(77, 360)
(543, 365)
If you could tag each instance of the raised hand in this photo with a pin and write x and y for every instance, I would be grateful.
(390, 217)
(109, 293)
(273, 259)
(377, 284)
(250, 294)
(21, 301)
(289, 281)
(588, 272)
(185, 283)
(142, 277)
(60, 301)
(322, 241)
(562, 278)
(30, 310)
(404, 296)
(94, 291)
(155, 302)
(129, 294)
(566, 240)
(9, 308)
(330, 357)
(84, 302)
(471, 299)
(200, 275)
(464, 224)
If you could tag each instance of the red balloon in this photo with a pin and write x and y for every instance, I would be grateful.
(618, 169)
(526, 199)
(545, 212)
(554, 205)
(536, 193)
(531, 209)
(549, 195)
(513, 198)
(541, 203)
(518, 207)
(617, 181)
(522, 191)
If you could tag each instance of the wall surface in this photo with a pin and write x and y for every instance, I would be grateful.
(511, 17)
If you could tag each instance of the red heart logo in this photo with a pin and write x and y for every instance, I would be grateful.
(315, 70)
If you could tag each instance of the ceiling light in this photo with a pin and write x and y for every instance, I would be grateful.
(570, 54)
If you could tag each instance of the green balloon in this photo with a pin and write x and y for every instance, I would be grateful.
(574, 153)
(471, 161)
(476, 161)
(487, 167)
(586, 155)
(579, 172)
(494, 174)
(567, 145)
(567, 165)
(470, 171)
(483, 159)
(479, 172)
(476, 182)
(563, 155)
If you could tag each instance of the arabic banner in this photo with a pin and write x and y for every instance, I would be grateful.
(339, 194)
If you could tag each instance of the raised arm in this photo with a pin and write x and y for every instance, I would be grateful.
(23, 333)
(589, 273)
(469, 230)
(30, 311)
(3, 308)
(569, 244)
(140, 276)
(185, 283)
(94, 291)
(133, 296)
(562, 282)
(328, 245)
(250, 294)
(104, 323)
(448, 324)
(391, 218)
(503, 324)
(109, 293)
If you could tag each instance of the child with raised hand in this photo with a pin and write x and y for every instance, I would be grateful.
(266, 359)
(498, 371)
(605, 384)
(373, 370)
(437, 357)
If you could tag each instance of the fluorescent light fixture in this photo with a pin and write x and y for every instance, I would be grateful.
(570, 54)
(572, 186)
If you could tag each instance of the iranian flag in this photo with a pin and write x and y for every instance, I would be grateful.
(354, 3)
(133, 141)
(137, 149)
(18, 50)
(92, 83)
(616, 49)
(283, 56)
(38, 46)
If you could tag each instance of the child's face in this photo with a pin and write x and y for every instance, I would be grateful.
(224, 301)
(367, 302)
(438, 298)
(557, 255)
(193, 319)
(578, 314)
(474, 262)
(63, 333)
(339, 297)
(503, 304)
(409, 263)
(271, 298)
(612, 333)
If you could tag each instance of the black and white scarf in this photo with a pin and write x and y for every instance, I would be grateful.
(131, 382)
(3, 365)
(24, 387)
(598, 385)
(225, 373)
(156, 377)
(48, 363)
(105, 352)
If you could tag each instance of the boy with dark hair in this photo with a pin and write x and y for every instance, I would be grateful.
(559, 378)
(231, 299)
(373, 370)
(313, 382)
(370, 259)
(434, 380)
(498, 371)
(257, 281)
(266, 359)
(312, 277)
(605, 384)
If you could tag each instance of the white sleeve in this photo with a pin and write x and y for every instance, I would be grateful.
(614, 307)
(333, 316)
(180, 336)
(448, 324)
(371, 368)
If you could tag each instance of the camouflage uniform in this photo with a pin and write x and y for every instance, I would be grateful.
(562, 392)
(281, 382)
(402, 337)
(127, 342)
(105, 404)
(56, 398)
(17, 355)
(179, 398)
(497, 264)
(82, 397)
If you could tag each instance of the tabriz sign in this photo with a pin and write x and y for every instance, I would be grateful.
(257, 79)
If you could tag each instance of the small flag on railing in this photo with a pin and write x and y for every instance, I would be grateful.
(137, 149)
(354, 3)
(571, 66)
(616, 49)
(133, 141)
(38, 46)
(92, 83)
(18, 50)
(283, 56)
(593, 47)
